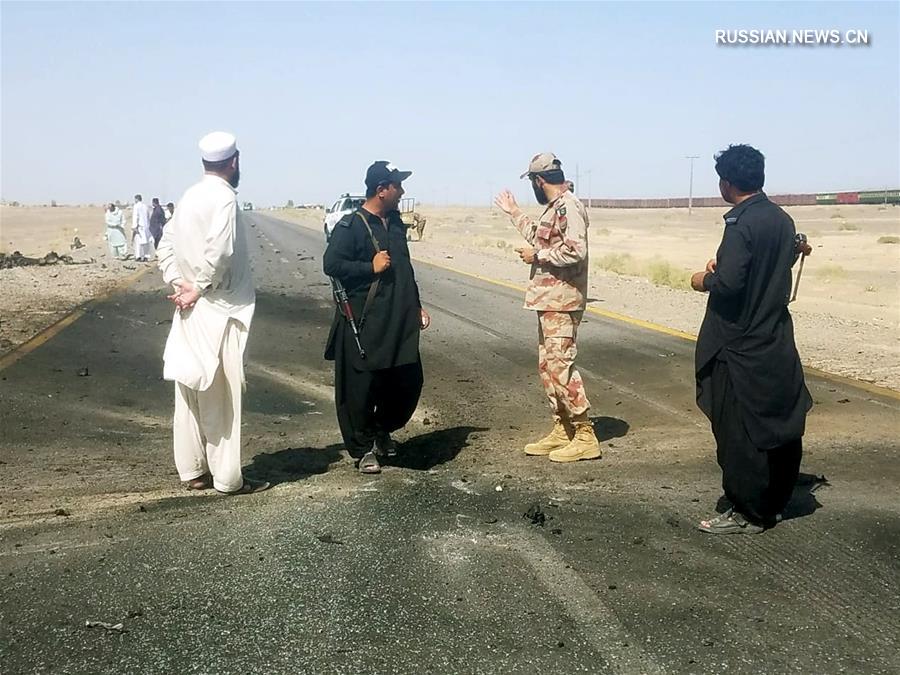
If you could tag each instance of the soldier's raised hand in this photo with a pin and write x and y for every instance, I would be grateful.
(506, 202)
(381, 262)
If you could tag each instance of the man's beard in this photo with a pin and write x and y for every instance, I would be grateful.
(539, 194)
(235, 178)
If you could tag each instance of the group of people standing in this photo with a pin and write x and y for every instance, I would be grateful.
(749, 380)
(147, 224)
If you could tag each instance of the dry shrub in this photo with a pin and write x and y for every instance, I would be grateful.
(658, 271)
(889, 240)
(482, 242)
(848, 227)
(663, 273)
(618, 263)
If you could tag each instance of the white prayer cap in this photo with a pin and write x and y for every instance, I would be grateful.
(217, 146)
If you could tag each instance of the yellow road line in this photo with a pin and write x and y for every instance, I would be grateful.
(649, 325)
(850, 382)
(55, 328)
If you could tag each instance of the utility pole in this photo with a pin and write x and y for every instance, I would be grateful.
(691, 188)
(588, 174)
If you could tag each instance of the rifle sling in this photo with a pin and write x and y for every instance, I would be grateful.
(376, 282)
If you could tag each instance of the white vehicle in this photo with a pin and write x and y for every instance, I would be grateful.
(347, 203)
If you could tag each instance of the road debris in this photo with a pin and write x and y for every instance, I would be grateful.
(535, 514)
(461, 484)
(328, 539)
(16, 259)
(117, 627)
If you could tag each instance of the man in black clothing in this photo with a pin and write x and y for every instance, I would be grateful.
(368, 254)
(749, 378)
(157, 221)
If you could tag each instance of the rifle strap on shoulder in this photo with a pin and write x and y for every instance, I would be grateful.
(376, 282)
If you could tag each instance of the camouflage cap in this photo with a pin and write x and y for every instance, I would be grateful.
(545, 161)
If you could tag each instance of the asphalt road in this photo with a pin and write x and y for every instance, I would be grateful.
(430, 567)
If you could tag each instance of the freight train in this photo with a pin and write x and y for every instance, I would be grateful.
(821, 198)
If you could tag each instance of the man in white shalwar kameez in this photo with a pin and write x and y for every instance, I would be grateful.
(142, 239)
(203, 255)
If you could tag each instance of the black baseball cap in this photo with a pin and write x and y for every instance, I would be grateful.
(382, 173)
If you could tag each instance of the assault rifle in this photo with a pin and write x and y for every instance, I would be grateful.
(343, 303)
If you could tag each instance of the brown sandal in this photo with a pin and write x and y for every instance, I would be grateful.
(369, 463)
(249, 487)
(203, 482)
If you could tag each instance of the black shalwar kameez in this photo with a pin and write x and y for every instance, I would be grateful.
(749, 379)
(377, 394)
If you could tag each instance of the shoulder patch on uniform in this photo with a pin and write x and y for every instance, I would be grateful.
(731, 221)
(561, 210)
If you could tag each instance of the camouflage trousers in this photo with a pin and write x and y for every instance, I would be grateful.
(557, 348)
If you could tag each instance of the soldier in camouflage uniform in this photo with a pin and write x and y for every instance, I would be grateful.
(558, 256)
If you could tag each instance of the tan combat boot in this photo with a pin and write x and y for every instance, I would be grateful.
(558, 438)
(583, 446)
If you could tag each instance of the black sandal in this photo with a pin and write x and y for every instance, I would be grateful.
(730, 522)
(385, 446)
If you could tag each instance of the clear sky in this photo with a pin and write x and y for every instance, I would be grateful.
(102, 100)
